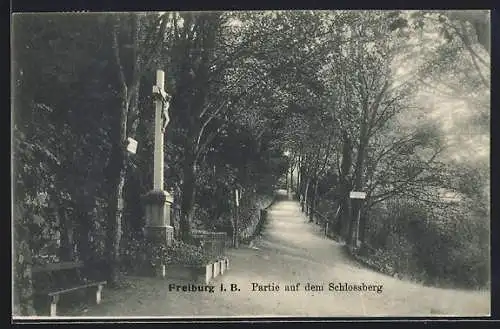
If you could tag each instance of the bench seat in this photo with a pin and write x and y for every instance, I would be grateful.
(54, 294)
(69, 288)
(58, 285)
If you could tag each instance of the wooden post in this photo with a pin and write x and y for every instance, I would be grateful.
(208, 273)
(236, 218)
(359, 197)
(98, 294)
(352, 224)
(222, 265)
(358, 217)
(53, 305)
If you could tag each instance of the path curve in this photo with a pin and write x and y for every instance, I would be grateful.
(290, 251)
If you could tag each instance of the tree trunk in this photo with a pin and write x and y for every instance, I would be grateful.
(346, 218)
(298, 180)
(344, 215)
(83, 230)
(338, 227)
(358, 181)
(115, 206)
(235, 228)
(301, 189)
(114, 232)
(355, 227)
(481, 23)
(352, 223)
(303, 183)
(312, 204)
(176, 213)
(115, 213)
(66, 231)
(129, 94)
(306, 197)
(315, 198)
(188, 197)
(362, 227)
(117, 229)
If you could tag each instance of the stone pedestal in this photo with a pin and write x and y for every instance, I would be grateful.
(158, 228)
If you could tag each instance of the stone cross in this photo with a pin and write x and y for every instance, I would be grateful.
(161, 121)
(158, 202)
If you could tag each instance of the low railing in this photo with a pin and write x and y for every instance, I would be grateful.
(260, 224)
(213, 243)
(262, 220)
(321, 220)
(326, 222)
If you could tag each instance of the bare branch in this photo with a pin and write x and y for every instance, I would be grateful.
(116, 53)
(401, 187)
(474, 58)
(204, 125)
(208, 140)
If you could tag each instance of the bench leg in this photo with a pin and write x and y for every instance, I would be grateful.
(98, 294)
(53, 305)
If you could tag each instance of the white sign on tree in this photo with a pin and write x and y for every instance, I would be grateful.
(132, 145)
(357, 195)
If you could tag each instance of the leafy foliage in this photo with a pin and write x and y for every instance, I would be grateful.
(140, 256)
(422, 245)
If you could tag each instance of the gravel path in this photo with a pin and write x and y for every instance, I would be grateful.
(292, 251)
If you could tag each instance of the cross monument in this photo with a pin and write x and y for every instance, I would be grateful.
(158, 202)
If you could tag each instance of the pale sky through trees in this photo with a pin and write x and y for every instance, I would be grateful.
(453, 111)
(453, 114)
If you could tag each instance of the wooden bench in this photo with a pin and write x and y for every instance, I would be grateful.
(50, 281)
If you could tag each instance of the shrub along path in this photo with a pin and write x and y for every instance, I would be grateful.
(291, 251)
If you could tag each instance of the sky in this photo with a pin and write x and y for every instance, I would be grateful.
(466, 141)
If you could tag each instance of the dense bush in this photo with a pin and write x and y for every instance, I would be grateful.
(250, 215)
(140, 255)
(439, 248)
(182, 253)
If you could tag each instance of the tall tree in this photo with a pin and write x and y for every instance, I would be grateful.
(136, 40)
